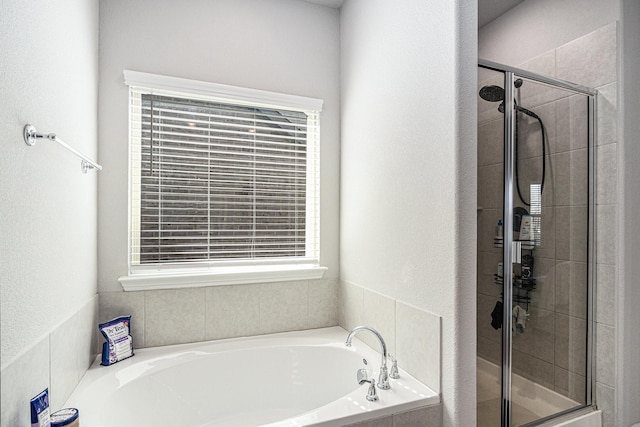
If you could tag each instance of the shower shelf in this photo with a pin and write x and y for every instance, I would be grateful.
(526, 244)
(518, 283)
(522, 299)
(522, 286)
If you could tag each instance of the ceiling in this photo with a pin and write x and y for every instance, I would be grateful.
(330, 3)
(488, 10)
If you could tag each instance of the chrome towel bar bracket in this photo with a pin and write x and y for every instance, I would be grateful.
(31, 135)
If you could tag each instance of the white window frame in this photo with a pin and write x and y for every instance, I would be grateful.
(171, 276)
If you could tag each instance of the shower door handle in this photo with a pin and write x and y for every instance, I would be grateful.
(516, 252)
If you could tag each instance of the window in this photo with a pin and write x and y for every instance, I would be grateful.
(224, 184)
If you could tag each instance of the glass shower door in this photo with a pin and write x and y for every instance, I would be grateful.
(490, 246)
(547, 177)
(535, 198)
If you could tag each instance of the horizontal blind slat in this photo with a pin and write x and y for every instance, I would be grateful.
(221, 181)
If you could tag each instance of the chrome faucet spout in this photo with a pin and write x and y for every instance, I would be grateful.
(383, 379)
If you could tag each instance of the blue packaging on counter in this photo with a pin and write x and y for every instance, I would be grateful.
(40, 410)
(119, 344)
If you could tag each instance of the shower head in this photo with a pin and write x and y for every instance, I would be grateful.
(492, 93)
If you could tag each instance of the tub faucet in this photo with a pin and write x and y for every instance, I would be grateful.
(383, 379)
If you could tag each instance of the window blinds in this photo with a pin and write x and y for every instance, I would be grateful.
(214, 182)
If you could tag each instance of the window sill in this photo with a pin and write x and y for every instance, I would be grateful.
(220, 277)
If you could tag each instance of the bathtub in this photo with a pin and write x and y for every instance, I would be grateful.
(287, 379)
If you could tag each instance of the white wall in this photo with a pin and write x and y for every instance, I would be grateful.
(278, 45)
(628, 366)
(48, 213)
(538, 26)
(48, 208)
(408, 170)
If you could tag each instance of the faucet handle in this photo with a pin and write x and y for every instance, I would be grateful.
(362, 378)
(371, 393)
(393, 373)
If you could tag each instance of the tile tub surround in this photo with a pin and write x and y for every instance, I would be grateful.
(412, 335)
(429, 416)
(176, 316)
(311, 373)
(58, 361)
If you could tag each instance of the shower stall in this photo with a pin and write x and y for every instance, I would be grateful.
(535, 246)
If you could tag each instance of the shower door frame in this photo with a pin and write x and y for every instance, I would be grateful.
(510, 248)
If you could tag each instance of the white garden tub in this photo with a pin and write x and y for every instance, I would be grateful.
(289, 379)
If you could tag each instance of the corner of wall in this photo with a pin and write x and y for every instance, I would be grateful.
(58, 362)
(412, 335)
(628, 298)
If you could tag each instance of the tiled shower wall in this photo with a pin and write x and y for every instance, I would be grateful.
(552, 350)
